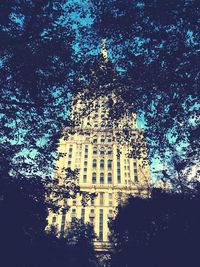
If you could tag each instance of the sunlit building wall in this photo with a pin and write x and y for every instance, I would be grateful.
(97, 150)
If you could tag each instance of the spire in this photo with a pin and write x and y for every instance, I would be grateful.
(104, 51)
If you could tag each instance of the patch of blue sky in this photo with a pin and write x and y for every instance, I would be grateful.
(191, 39)
(140, 5)
(18, 19)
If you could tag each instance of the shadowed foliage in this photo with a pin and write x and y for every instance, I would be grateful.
(159, 231)
(153, 70)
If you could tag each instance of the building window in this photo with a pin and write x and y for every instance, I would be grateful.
(54, 219)
(83, 215)
(92, 211)
(101, 164)
(95, 140)
(109, 164)
(136, 178)
(109, 151)
(85, 163)
(101, 198)
(62, 229)
(101, 178)
(85, 178)
(94, 177)
(102, 140)
(85, 169)
(69, 163)
(109, 178)
(95, 151)
(94, 164)
(92, 202)
(109, 139)
(63, 218)
(74, 203)
(102, 151)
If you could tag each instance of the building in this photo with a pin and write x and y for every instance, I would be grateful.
(97, 149)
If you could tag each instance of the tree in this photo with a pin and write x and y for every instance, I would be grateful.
(36, 61)
(23, 218)
(156, 231)
(79, 238)
(154, 47)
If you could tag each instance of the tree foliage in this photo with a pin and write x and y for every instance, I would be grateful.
(24, 238)
(155, 47)
(36, 60)
(156, 231)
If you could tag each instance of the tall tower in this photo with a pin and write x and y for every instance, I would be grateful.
(104, 164)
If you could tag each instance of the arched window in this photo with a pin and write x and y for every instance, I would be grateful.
(109, 178)
(102, 178)
(102, 140)
(95, 150)
(109, 138)
(101, 164)
(109, 164)
(94, 177)
(102, 151)
(109, 151)
(94, 163)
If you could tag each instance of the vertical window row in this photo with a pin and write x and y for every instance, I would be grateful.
(101, 224)
(92, 217)
(70, 156)
(85, 164)
(83, 215)
(73, 215)
(135, 172)
(63, 219)
(86, 152)
(118, 167)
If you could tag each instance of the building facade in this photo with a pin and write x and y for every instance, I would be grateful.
(106, 158)
(106, 167)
